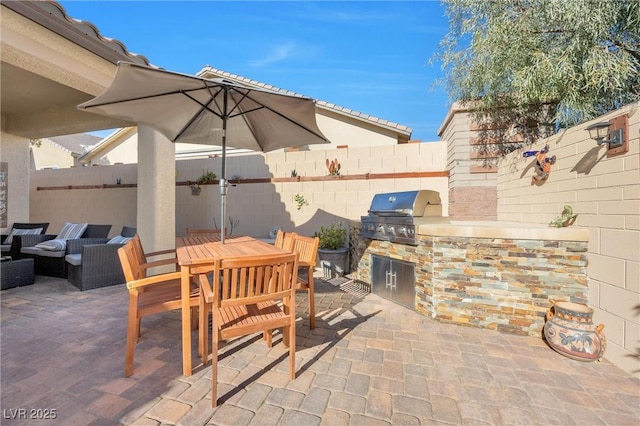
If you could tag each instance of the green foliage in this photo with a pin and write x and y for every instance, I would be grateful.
(542, 64)
(300, 201)
(294, 173)
(206, 177)
(332, 237)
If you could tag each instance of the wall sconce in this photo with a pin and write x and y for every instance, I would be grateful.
(600, 131)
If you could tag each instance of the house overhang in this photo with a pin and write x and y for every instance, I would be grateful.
(49, 64)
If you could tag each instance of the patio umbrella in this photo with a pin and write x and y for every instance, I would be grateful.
(218, 112)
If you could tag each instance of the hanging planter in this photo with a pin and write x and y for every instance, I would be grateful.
(195, 189)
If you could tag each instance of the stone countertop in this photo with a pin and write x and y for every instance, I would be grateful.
(501, 229)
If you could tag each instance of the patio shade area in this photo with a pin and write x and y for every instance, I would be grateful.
(368, 361)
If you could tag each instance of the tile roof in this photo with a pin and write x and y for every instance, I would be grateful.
(53, 16)
(322, 104)
(77, 144)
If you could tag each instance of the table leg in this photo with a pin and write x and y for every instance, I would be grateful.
(185, 284)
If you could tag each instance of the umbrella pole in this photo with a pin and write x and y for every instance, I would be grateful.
(223, 178)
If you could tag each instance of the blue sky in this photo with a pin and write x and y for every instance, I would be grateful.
(371, 57)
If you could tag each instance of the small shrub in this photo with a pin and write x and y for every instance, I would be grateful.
(206, 177)
(332, 237)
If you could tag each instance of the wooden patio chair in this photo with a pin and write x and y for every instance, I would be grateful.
(147, 295)
(249, 295)
(284, 240)
(211, 232)
(307, 249)
(169, 256)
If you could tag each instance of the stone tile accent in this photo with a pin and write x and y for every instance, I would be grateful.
(495, 283)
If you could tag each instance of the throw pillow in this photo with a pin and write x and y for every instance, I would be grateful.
(119, 239)
(72, 231)
(53, 245)
(34, 231)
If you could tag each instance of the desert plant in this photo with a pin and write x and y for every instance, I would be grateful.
(332, 237)
(294, 173)
(206, 177)
(300, 201)
(333, 167)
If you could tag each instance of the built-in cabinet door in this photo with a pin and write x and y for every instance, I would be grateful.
(393, 280)
(380, 269)
(404, 291)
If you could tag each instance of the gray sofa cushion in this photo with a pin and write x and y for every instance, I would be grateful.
(74, 259)
(56, 244)
(18, 231)
(39, 252)
(72, 231)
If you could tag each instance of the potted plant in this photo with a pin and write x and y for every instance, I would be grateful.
(332, 249)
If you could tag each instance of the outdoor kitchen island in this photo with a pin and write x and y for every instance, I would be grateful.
(494, 275)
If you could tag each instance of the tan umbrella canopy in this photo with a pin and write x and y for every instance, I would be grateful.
(219, 112)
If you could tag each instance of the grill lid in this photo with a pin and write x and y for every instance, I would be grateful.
(407, 203)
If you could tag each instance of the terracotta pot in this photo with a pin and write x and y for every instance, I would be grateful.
(569, 330)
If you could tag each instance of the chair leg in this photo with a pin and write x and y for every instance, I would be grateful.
(214, 365)
(292, 350)
(203, 332)
(267, 336)
(311, 297)
(133, 330)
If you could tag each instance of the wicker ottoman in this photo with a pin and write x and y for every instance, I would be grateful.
(14, 273)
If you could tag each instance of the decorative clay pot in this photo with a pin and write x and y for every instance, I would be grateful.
(569, 330)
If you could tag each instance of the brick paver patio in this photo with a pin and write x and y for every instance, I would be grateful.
(368, 362)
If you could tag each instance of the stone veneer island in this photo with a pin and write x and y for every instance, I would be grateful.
(495, 275)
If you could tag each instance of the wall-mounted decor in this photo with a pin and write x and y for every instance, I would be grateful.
(567, 218)
(542, 166)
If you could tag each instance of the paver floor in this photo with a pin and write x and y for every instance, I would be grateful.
(368, 362)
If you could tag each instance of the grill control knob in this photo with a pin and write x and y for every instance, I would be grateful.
(402, 231)
(380, 229)
(391, 230)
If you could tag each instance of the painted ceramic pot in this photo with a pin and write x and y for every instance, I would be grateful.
(569, 330)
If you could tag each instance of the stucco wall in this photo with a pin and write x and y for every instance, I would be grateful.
(14, 151)
(605, 193)
(257, 206)
(48, 154)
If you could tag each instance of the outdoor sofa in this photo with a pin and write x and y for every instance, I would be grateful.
(50, 261)
(12, 242)
(94, 262)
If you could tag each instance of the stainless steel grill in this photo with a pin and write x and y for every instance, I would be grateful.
(394, 216)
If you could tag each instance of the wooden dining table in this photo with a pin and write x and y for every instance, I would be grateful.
(196, 255)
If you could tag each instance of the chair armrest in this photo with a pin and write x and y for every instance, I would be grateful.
(99, 260)
(75, 246)
(161, 252)
(32, 240)
(161, 262)
(205, 288)
(153, 280)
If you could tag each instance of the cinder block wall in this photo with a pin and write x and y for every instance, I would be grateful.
(77, 194)
(605, 193)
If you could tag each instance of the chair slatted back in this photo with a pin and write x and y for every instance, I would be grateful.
(284, 240)
(210, 233)
(307, 249)
(130, 262)
(243, 281)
